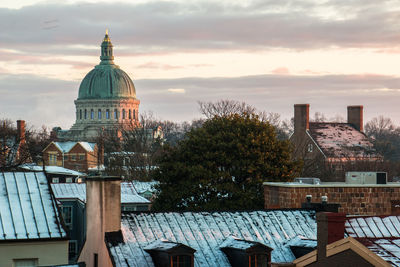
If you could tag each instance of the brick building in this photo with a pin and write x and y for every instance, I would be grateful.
(79, 156)
(328, 149)
(354, 199)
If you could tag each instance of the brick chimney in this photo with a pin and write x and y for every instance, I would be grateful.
(21, 131)
(330, 228)
(355, 117)
(301, 117)
(103, 214)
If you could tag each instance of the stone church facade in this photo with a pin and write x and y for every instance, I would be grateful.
(106, 100)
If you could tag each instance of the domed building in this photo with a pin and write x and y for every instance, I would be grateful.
(106, 100)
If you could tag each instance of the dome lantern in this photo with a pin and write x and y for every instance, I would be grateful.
(107, 56)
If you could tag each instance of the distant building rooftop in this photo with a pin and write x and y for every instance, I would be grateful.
(78, 191)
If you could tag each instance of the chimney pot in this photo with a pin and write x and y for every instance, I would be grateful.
(355, 117)
(330, 228)
(21, 130)
(301, 117)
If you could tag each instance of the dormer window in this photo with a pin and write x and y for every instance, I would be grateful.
(244, 253)
(171, 254)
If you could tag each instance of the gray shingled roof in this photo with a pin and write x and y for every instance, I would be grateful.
(27, 208)
(339, 140)
(206, 231)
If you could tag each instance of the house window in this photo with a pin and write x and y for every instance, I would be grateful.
(115, 114)
(68, 180)
(67, 215)
(91, 114)
(55, 180)
(81, 156)
(107, 114)
(130, 114)
(258, 260)
(123, 114)
(85, 114)
(310, 148)
(25, 262)
(99, 114)
(73, 157)
(72, 249)
(181, 261)
(52, 159)
(65, 156)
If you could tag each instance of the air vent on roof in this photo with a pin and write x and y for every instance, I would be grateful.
(307, 180)
(366, 177)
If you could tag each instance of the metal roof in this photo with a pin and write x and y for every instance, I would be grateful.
(380, 234)
(27, 208)
(78, 191)
(206, 231)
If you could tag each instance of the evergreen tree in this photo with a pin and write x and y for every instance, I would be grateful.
(222, 165)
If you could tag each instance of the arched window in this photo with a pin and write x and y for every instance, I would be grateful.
(115, 114)
(107, 113)
(80, 114)
(99, 114)
(85, 114)
(130, 115)
(91, 114)
(133, 111)
(123, 114)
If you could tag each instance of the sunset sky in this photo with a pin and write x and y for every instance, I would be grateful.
(269, 53)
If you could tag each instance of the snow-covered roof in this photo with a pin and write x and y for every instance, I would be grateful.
(27, 208)
(65, 147)
(142, 187)
(78, 191)
(52, 170)
(341, 140)
(206, 232)
(380, 234)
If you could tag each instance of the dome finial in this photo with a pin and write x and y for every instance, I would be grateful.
(106, 31)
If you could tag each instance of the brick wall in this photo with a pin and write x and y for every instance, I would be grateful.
(360, 200)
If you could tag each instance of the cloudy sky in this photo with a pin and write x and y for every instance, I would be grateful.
(271, 54)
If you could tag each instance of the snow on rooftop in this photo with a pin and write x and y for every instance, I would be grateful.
(380, 234)
(27, 208)
(161, 245)
(341, 140)
(206, 231)
(78, 191)
(88, 146)
(65, 147)
(52, 170)
(142, 187)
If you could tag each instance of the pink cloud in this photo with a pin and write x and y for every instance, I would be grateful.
(281, 71)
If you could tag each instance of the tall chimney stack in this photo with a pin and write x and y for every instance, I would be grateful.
(21, 131)
(330, 228)
(103, 214)
(355, 117)
(301, 117)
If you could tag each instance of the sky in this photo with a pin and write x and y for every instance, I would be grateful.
(270, 54)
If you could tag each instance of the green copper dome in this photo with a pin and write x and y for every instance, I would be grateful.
(106, 80)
